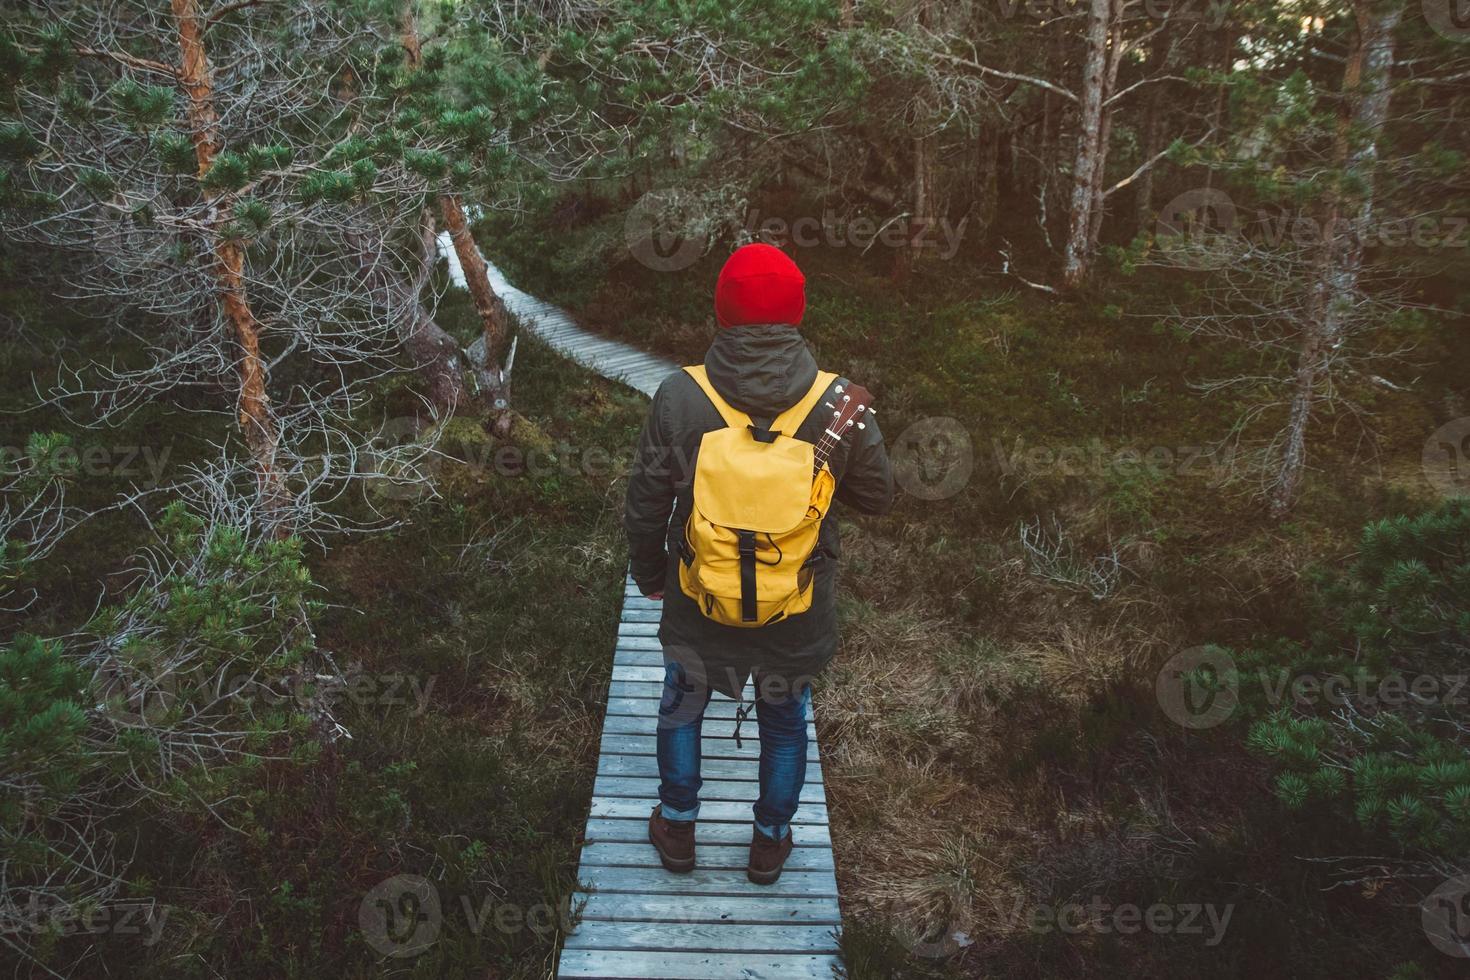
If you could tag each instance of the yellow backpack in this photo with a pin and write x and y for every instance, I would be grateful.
(759, 499)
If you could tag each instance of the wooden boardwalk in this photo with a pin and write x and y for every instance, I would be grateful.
(610, 358)
(639, 921)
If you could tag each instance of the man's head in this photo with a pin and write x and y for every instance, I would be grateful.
(759, 284)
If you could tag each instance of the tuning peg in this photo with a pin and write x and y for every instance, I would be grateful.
(862, 425)
(829, 404)
(838, 389)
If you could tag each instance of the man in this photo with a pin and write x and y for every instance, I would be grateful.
(760, 365)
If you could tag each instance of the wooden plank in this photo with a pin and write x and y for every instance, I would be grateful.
(635, 831)
(739, 791)
(706, 881)
(654, 689)
(638, 673)
(627, 657)
(646, 766)
(648, 707)
(629, 627)
(717, 810)
(642, 611)
(712, 728)
(728, 857)
(692, 909)
(709, 748)
(639, 965)
(727, 938)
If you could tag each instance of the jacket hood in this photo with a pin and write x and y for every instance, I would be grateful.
(761, 369)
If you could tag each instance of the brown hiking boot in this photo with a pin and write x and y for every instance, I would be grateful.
(767, 857)
(673, 839)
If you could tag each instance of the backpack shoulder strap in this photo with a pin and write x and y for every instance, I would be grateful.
(733, 417)
(790, 420)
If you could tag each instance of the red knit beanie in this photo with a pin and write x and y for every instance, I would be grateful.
(759, 284)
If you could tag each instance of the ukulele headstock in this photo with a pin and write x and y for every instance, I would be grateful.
(853, 402)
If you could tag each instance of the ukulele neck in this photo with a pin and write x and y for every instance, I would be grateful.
(824, 451)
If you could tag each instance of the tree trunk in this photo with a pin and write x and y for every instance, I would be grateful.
(1143, 200)
(494, 318)
(1366, 94)
(1091, 152)
(257, 422)
(436, 356)
(919, 219)
(987, 175)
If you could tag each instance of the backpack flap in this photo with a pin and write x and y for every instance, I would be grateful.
(757, 486)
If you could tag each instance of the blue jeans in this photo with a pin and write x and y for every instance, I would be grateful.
(781, 722)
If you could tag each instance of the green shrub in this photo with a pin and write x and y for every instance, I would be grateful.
(1383, 746)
